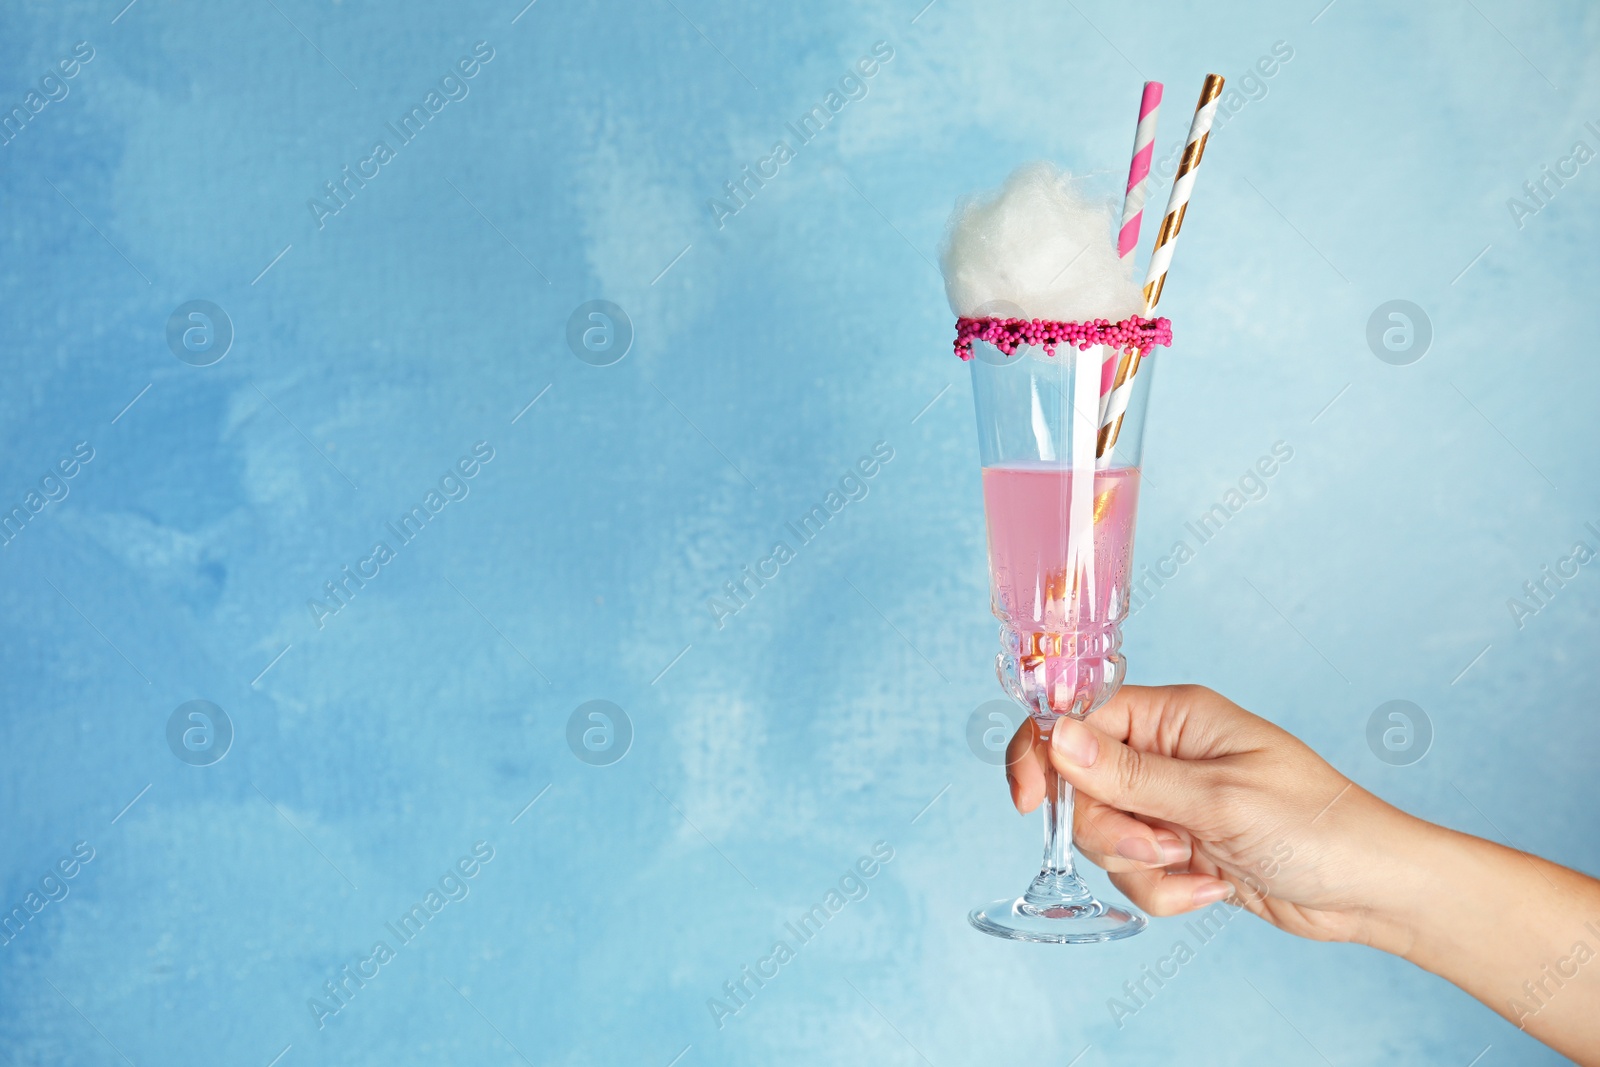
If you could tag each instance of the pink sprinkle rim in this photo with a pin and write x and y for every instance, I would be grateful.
(1008, 335)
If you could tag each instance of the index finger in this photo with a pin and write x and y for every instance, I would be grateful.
(1181, 721)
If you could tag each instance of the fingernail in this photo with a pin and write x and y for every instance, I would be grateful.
(1173, 849)
(1139, 849)
(1210, 894)
(1074, 741)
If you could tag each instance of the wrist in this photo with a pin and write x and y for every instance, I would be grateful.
(1432, 883)
(1404, 859)
(1509, 928)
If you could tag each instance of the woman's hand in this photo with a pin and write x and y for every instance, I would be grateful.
(1186, 798)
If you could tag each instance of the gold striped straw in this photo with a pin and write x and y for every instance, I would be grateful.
(1161, 259)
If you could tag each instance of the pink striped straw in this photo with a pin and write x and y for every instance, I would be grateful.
(1144, 144)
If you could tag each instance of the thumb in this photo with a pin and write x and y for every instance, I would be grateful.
(1145, 783)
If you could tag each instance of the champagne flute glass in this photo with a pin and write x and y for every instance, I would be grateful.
(1060, 524)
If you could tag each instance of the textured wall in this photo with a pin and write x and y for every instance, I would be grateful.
(378, 340)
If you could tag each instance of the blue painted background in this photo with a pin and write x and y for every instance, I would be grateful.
(375, 350)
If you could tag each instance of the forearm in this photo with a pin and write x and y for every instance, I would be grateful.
(1517, 932)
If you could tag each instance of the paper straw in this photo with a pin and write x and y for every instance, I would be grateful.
(1182, 187)
(1161, 258)
(1114, 404)
(1144, 144)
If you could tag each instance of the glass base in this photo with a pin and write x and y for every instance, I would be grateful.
(1065, 924)
(1057, 909)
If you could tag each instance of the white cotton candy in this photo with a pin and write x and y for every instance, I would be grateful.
(1039, 245)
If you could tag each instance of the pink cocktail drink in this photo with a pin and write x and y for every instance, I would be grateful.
(1060, 397)
(1061, 594)
(1060, 506)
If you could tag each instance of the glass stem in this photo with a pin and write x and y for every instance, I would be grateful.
(1058, 826)
(1058, 883)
